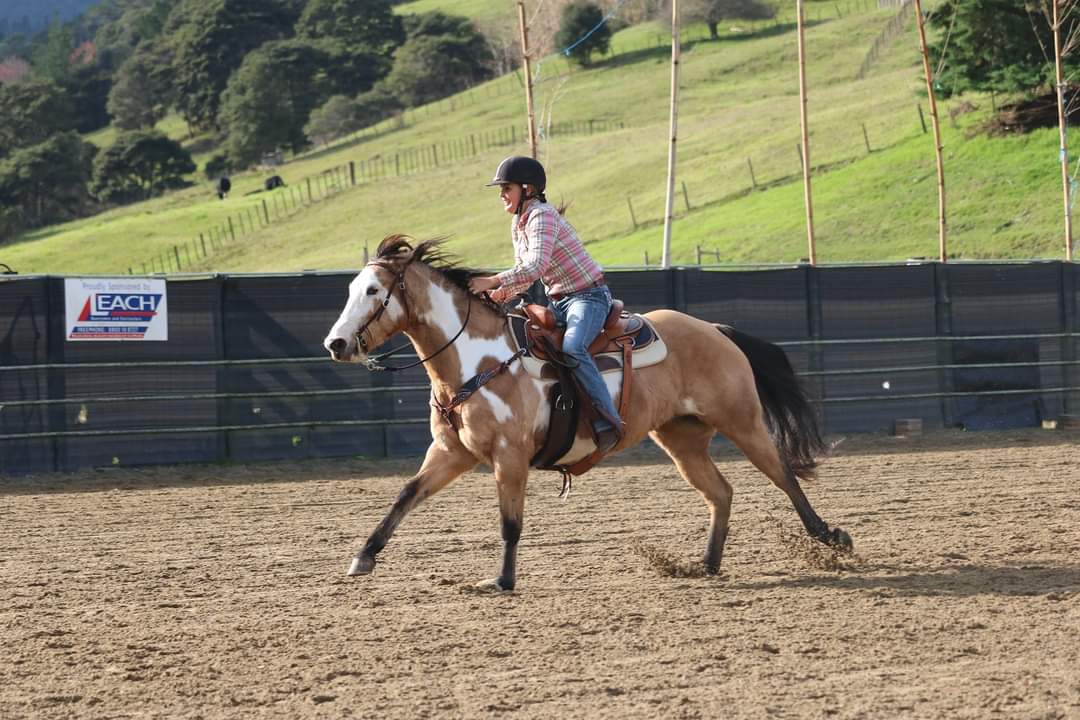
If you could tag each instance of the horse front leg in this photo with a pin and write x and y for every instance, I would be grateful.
(510, 479)
(440, 467)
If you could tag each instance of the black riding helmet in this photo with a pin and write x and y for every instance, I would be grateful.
(521, 170)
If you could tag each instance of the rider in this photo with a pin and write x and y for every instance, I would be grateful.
(547, 248)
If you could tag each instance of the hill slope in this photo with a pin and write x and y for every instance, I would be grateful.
(739, 103)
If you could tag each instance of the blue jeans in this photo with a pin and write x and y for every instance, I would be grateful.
(584, 314)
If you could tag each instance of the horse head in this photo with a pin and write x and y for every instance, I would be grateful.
(378, 305)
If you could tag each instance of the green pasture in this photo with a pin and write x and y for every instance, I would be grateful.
(738, 109)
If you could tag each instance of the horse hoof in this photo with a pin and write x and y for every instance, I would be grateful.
(493, 585)
(842, 541)
(362, 565)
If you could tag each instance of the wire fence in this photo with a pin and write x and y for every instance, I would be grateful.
(279, 203)
(894, 29)
(733, 177)
(285, 201)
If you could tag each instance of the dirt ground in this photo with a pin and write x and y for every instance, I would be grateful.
(214, 592)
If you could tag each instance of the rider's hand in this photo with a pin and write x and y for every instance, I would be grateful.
(483, 284)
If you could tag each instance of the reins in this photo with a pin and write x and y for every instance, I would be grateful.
(374, 362)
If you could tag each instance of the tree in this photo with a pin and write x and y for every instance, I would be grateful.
(334, 118)
(211, 39)
(142, 90)
(31, 111)
(268, 100)
(46, 182)
(52, 60)
(429, 67)
(578, 19)
(995, 45)
(714, 12)
(87, 87)
(375, 105)
(351, 70)
(443, 55)
(367, 25)
(140, 165)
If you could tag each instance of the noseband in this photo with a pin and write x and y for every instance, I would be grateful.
(375, 362)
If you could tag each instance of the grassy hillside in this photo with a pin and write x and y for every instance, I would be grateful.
(738, 102)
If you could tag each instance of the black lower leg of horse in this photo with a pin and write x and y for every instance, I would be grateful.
(714, 549)
(364, 562)
(815, 526)
(511, 533)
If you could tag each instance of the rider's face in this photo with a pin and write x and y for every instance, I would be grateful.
(510, 193)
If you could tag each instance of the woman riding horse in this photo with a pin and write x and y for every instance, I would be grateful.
(547, 248)
(487, 409)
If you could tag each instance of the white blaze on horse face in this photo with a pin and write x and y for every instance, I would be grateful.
(361, 306)
(444, 314)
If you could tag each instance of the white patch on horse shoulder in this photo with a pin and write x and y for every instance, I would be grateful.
(690, 407)
(614, 384)
(543, 406)
(499, 409)
(502, 443)
(444, 314)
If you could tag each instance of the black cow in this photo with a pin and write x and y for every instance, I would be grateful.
(274, 181)
(223, 187)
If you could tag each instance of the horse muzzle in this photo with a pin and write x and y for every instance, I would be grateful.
(342, 350)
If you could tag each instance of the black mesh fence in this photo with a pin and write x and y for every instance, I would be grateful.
(243, 375)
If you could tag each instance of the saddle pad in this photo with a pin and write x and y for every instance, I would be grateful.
(650, 354)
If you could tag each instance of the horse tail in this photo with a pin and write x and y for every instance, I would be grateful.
(789, 415)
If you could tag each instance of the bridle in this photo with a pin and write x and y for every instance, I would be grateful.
(374, 362)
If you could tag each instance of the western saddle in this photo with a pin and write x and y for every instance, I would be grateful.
(539, 337)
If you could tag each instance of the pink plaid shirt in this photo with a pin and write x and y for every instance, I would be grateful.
(546, 247)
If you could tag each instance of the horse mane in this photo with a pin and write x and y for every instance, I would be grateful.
(399, 248)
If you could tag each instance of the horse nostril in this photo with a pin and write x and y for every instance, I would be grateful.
(337, 345)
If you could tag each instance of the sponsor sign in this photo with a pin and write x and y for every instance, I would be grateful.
(116, 309)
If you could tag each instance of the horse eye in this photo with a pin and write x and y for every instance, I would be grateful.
(372, 290)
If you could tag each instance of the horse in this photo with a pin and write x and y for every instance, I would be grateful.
(746, 390)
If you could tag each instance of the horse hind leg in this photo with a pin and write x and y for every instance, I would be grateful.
(759, 448)
(686, 441)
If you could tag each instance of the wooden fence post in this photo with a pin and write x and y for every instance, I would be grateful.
(232, 233)
(266, 211)
(866, 138)
(753, 180)
(631, 206)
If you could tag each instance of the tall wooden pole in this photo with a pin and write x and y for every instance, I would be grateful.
(936, 122)
(807, 195)
(1060, 85)
(665, 260)
(528, 77)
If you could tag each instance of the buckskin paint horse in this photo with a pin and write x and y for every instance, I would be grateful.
(714, 379)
